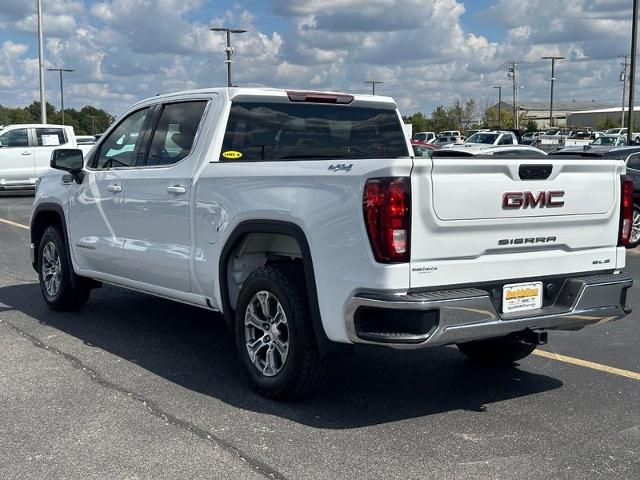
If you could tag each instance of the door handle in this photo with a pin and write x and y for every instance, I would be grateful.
(115, 188)
(176, 190)
(26, 153)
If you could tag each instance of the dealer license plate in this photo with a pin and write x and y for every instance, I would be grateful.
(518, 297)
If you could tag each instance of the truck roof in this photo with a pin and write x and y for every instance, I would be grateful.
(35, 125)
(233, 92)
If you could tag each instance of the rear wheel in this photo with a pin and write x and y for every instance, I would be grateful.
(55, 274)
(496, 351)
(634, 240)
(274, 334)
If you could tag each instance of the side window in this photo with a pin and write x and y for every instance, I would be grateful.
(173, 137)
(634, 162)
(50, 137)
(506, 140)
(119, 148)
(15, 138)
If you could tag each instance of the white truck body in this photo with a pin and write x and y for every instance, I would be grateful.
(25, 152)
(194, 231)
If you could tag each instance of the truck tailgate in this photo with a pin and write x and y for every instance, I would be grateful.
(477, 220)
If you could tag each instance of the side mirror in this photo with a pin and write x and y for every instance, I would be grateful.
(68, 160)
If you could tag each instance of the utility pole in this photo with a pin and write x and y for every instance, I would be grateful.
(499, 106)
(93, 123)
(553, 65)
(229, 49)
(513, 76)
(373, 85)
(43, 104)
(623, 79)
(632, 77)
(60, 70)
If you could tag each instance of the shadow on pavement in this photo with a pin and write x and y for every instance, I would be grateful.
(192, 348)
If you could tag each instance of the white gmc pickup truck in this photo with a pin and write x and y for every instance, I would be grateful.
(25, 152)
(304, 219)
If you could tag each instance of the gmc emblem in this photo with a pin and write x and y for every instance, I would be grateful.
(531, 200)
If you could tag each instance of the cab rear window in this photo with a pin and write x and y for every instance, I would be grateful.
(261, 131)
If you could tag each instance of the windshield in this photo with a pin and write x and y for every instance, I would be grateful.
(259, 131)
(488, 138)
(615, 131)
(420, 136)
(604, 141)
(552, 132)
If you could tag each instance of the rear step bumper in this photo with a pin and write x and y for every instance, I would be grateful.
(454, 316)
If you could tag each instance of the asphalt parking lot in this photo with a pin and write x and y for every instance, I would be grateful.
(137, 387)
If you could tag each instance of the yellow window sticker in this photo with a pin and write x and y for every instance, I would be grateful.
(231, 154)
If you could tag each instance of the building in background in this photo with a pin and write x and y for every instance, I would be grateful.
(598, 116)
(539, 111)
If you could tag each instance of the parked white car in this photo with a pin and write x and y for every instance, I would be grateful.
(305, 220)
(481, 140)
(622, 132)
(450, 133)
(428, 137)
(25, 152)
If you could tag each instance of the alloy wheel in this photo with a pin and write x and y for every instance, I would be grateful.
(635, 227)
(51, 269)
(266, 333)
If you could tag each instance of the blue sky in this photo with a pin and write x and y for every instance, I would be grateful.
(427, 52)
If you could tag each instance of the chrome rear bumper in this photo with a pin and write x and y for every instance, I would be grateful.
(462, 315)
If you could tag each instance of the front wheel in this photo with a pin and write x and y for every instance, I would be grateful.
(274, 334)
(55, 274)
(634, 240)
(496, 351)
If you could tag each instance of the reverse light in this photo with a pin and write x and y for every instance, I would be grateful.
(387, 215)
(626, 212)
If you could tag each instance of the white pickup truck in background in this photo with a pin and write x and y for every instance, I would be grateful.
(304, 218)
(25, 152)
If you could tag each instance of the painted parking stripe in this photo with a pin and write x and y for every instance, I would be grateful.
(14, 224)
(592, 365)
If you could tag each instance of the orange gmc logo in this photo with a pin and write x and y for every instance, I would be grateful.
(550, 199)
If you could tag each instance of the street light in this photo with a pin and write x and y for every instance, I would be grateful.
(499, 106)
(373, 84)
(60, 70)
(228, 50)
(553, 64)
(43, 104)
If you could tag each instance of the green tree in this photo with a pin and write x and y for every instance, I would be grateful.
(531, 126)
(418, 120)
(608, 122)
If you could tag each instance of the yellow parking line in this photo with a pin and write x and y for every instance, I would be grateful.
(584, 363)
(14, 224)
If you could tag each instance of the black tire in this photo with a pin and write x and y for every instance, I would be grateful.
(303, 370)
(70, 295)
(636, 215)
(496, 351)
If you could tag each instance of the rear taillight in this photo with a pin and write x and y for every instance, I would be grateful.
(387, 215)
(626, 212)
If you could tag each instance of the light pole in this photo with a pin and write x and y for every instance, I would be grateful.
(60, 70)
(499, 106)
(228, 50)
(553, 64)
(373, 84)
(43, 105)
(632, 76)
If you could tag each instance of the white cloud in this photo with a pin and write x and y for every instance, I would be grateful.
(123, 50)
